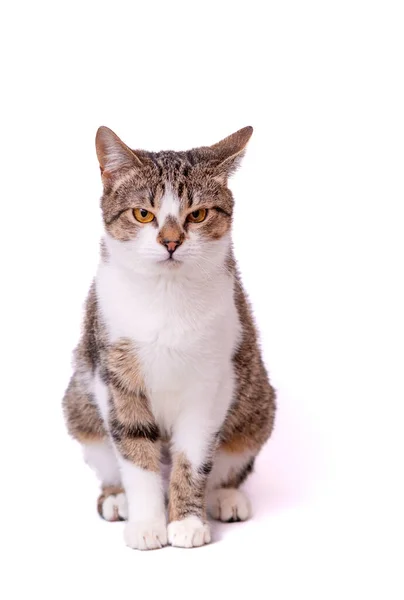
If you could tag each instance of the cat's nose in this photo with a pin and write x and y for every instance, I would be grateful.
(172, 245)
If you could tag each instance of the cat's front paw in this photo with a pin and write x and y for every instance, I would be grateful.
(146, 535)
(188, 532)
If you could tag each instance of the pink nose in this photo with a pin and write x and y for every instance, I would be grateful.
(171, 245)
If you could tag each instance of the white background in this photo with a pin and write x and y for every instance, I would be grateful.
(319, 237)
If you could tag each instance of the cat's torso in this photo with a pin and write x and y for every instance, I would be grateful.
(184, 331)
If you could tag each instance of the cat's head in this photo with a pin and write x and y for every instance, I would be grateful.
(168, 211)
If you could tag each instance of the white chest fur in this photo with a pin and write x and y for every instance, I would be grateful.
(184, 330)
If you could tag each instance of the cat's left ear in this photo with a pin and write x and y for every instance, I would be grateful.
(113, 155)
(230, 151)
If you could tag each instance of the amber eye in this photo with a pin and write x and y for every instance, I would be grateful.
(197, 216)
(142, 215)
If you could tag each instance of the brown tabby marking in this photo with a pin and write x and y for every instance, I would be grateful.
(132, 424)
(136, 444)
(237, 444)
(123, 366)
(81, 414)
(187, 490)
(104, 251)
(88, 349)
(250, 420)
(217, 224)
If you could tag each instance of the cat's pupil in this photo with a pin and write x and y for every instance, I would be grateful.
(144, 212)
(195, 214)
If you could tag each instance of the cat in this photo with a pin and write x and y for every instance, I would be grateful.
(168, 360)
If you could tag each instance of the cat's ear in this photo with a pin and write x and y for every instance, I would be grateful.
(113, 155)
(230, 151)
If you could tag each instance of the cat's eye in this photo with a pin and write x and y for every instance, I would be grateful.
(197, 216)
(142, 215)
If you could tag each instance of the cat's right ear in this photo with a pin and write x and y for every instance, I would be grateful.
(113, 155)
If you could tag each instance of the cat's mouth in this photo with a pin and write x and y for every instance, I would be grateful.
(171, 262)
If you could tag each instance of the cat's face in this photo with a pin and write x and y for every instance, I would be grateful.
(168, 211)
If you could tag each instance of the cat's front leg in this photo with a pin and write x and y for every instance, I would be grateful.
(137, 441)
(193, 445)
(188, 526)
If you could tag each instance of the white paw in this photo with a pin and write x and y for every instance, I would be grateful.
(146, 535)
(188, 532)
(228, 505)
(114, 507)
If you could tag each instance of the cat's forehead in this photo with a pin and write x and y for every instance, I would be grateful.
(171, 166)
(178, 179)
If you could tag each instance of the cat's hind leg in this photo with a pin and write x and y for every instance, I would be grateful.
(111, 504)
(225, 501)
(85, 424)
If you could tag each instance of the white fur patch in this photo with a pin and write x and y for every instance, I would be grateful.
(144, 492)
(146, 528)
(228, 505)
(101, 396)
(188, 532)
(115, 506)
(101, 457)
(203, 410)
(146, 535)
(170, 206)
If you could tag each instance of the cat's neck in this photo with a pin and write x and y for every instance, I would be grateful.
(139, 305)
